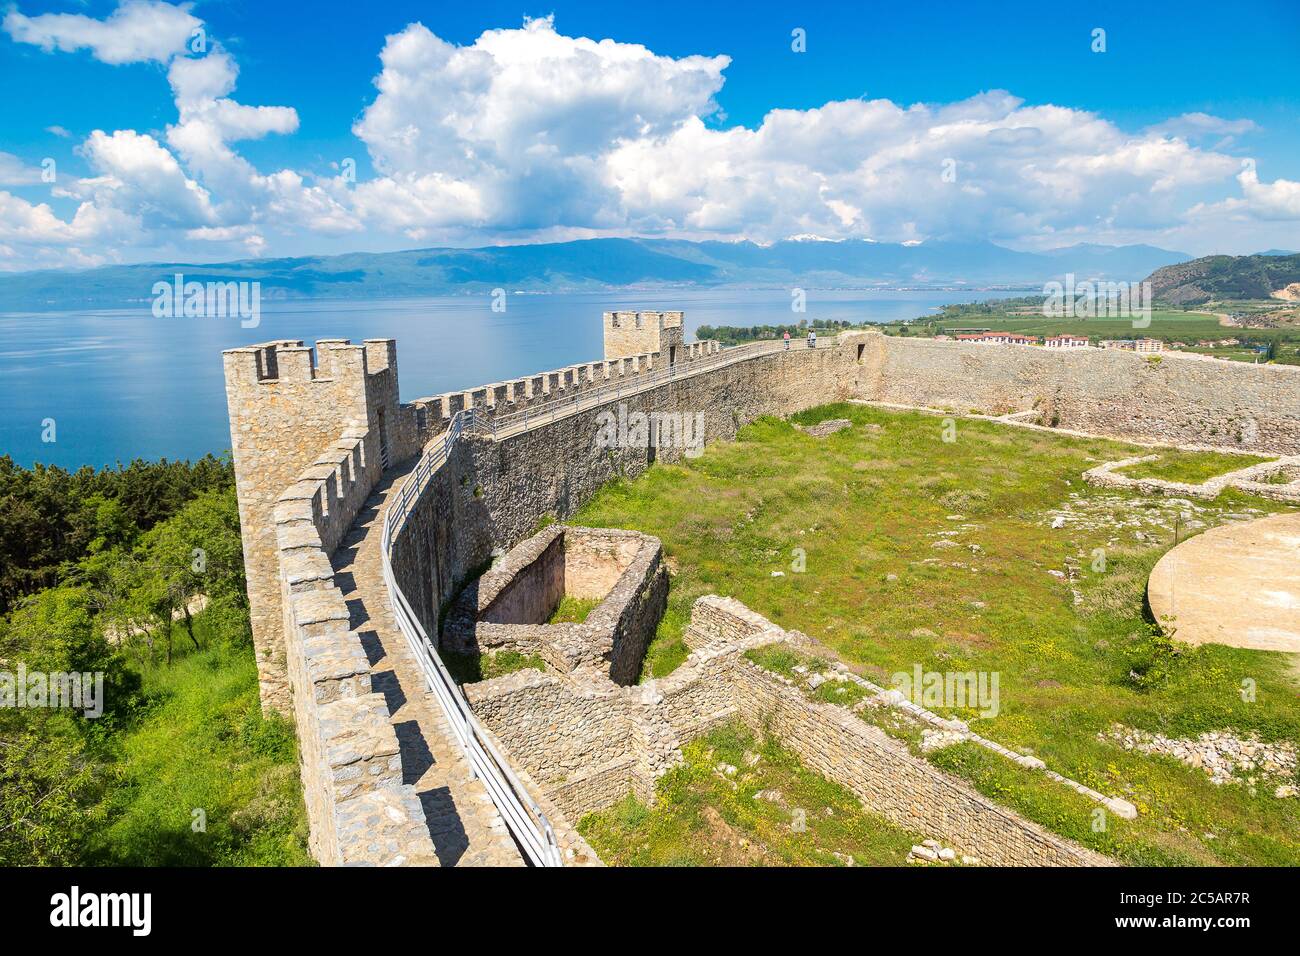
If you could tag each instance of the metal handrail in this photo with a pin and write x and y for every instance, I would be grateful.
(518, 809)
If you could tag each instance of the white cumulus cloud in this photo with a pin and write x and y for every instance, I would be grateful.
(137, 31)
(529, 134)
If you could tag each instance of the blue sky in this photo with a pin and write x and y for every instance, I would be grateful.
(898, 122)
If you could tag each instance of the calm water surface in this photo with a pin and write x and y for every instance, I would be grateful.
(121, 384)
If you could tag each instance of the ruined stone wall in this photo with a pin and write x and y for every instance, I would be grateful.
(589, 746)
(905, 790)
(1169, 398)
(599, 787)
(556, 727)
(889, 780)
(631, 610)
(508, 606)
(587, 743)
(534, 588)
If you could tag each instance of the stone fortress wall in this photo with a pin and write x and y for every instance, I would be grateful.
(290, 409)
(1169, 398)
(311, 439)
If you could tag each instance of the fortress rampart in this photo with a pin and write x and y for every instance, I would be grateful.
(1167, 398)
(313, 439)
(494, 491)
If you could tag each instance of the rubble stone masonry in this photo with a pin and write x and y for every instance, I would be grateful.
(1170, 398)
(588, 743)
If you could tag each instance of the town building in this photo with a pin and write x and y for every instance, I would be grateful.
(998, 338)
(1067, 341)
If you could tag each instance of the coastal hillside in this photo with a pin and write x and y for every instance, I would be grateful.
(1220, 278)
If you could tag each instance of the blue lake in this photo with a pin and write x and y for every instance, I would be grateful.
(121, 384)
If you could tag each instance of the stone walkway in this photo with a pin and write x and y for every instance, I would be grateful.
(466, 828)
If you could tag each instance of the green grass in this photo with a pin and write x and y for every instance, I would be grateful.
(471, 668)
(1192, 468)
(572, 610)
(780, 660)
(867, 504)
(704, 817)
(201, 777)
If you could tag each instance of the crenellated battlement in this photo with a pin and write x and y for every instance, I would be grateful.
(643, 320)
(517, 395)
(290, 362)
(289, 402)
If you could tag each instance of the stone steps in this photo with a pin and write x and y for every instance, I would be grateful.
(465, 827)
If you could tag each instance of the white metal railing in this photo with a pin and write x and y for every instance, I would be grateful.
(518, 809)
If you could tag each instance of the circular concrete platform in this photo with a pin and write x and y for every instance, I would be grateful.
(1238, 584)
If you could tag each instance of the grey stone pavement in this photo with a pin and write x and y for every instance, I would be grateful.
(466, 828)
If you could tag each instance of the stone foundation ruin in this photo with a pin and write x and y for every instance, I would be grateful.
(509, 606)
(588, 742)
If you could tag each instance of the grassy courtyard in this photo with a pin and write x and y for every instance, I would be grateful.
(1191, 468)
(739, 801)
(895, 547)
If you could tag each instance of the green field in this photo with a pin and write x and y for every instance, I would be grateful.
(201, 777)
(919, 551)
(1168, 325)
(769, 811)
(1191, 468)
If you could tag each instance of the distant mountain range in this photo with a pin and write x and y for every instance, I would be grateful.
(1215, 278)
(600, 264)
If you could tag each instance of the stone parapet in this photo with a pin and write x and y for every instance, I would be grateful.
(358, 808)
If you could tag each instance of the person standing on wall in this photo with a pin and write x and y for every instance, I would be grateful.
(786, 336)
(812, 339)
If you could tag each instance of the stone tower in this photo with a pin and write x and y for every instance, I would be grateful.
(287, 410)
(636, 333)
